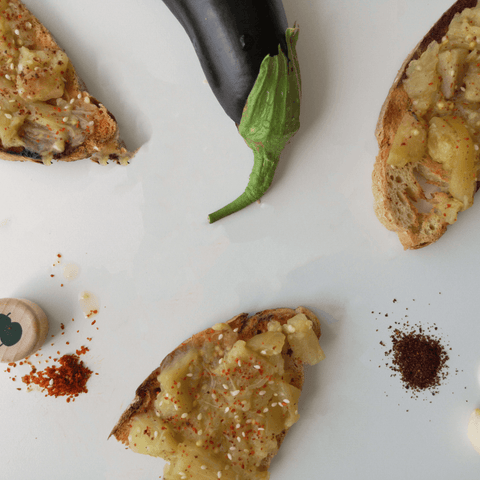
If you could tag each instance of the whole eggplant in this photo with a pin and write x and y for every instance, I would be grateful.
(248, 55)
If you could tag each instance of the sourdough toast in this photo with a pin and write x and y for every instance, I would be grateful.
(402, 202)
(246, 327)
(46, 112)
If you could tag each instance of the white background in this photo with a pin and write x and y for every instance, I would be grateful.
(139, 235)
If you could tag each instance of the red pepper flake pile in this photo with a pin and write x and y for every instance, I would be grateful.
(69, 378)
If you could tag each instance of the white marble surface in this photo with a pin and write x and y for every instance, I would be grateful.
(140, 237)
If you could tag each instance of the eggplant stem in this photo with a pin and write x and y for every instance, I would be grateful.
(264, 165)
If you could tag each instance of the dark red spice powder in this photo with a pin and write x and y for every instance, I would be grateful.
(69, 378)
(420, 359)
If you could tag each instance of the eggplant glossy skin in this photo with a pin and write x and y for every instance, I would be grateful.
(231, 39)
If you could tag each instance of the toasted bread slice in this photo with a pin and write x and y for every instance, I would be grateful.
(401, 198)
(243, 327)
(46, 112)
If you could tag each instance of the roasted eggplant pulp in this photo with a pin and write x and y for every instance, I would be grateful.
(231, 39)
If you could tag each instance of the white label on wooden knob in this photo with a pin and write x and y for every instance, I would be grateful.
(23, 329)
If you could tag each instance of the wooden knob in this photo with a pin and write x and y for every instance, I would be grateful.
(23, 329)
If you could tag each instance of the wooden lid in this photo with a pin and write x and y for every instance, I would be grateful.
(23, 329)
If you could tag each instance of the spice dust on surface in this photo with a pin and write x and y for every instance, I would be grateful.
(418, 356)
(66, 375)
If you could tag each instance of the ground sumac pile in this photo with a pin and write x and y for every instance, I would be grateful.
(419, 358)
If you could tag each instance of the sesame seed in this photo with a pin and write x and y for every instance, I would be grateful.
(286, 400)
(225, 386)
(65, 119)
(237, 425)
(229, 455)
(203, 467)
(28, 25)
(263, 352)
(232, 448)
(239, 439)
(97, 149)
(17, 31)
(236, 392)
(239, 363)
(219, 474)
(184, 415)
(79, 96)
(200, 432)
(258, 367)
(8, 116)
(199, 416)
(235, 330)
(265, 410)
(476, 147)
(220, 336)
(7, 76)
(243, 434)
(86, 99)
(263, 392)
(274, 404)
(189, 374)
(72, 100)
(260, 428)
(155, 434)
(227, 409)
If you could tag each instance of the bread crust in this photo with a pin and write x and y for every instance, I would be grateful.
(248, 326)
(105, 132)
(424, 229)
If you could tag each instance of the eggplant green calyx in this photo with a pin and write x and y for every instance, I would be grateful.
(270, 119)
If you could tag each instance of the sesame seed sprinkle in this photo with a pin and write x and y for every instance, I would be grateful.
(220, 336)
(235, 392)
(258, 367)
(184, 415)
(203, 467)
